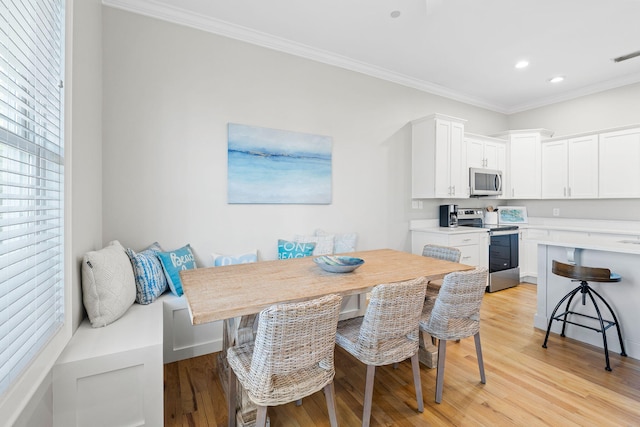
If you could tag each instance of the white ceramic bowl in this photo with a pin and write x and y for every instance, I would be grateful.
(338, 264)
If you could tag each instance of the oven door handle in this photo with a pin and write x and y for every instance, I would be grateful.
(502, 232)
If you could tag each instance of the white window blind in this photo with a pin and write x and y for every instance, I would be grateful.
(31, 181)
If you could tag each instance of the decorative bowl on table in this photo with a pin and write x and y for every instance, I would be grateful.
(338, 264)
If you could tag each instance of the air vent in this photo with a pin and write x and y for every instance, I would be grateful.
(627, 56)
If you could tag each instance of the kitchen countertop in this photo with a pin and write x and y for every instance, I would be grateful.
(432, 226)
(623, 228)
(584, 225)
(623, 246)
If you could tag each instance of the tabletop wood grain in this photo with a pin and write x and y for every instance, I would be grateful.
(218, 293)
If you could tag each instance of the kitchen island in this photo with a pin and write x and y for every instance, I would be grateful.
(620, 256)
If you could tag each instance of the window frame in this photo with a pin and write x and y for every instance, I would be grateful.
(36, 378)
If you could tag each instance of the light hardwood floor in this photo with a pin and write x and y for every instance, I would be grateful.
(564, 385)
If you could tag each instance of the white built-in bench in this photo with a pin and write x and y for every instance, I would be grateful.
(113, 376)
(182, 340)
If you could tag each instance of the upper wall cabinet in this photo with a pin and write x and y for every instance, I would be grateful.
(570, 168)
(485, 152)
(438, 158)
(619, 164)
(524, 171)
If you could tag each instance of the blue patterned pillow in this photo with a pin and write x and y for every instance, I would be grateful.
(220, 260)
(150, 279)
(175, 261)
(287, 249)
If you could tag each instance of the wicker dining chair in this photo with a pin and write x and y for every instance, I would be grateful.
(386, 334)
(292, 357)
(447, 253)
(455, 314)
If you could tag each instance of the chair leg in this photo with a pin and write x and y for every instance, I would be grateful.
(231, 399)
(602, 329)
(330, 395)
(615, 320)
(261, 416)
(368, 395)
(476, 338)
(415, 366)
(442, 352)
(553, 314)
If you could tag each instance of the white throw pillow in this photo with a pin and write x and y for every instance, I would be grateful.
(220, 260)
(324, 244)
(345, 242)
(108, 284)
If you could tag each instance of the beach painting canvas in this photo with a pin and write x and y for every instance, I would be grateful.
(271, 166)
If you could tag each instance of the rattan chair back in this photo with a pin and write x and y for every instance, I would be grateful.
(389, 331)
(456, 311)
(293, 351)
(446, 253)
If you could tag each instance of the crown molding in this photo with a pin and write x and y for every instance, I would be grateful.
(190, 19)
(187, 18)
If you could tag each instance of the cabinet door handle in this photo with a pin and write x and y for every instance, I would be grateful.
(513, 192)
(569, 192)
(466, 240)
(453, 192)
(564, 191)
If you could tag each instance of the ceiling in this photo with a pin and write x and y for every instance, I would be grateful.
(461, 49)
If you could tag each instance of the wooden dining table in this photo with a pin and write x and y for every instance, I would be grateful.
(243, 290)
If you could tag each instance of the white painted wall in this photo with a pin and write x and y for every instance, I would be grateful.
(86, 139)
(169, 92)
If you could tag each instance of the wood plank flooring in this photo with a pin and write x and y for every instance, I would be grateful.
(563, 385)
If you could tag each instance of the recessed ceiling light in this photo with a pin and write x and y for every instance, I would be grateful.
(395, 13)
(556, 79)
(522, 64)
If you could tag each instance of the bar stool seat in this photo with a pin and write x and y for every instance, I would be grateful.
(584, 275)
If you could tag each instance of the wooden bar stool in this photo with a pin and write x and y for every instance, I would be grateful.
(583, 275)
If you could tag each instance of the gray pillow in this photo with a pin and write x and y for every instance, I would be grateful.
(108, 284)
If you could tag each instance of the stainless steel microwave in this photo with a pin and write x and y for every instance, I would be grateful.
(485, 182)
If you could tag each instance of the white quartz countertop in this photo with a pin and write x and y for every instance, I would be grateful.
(624, 246)
(431, 226)
(623, 228)
(584, 225)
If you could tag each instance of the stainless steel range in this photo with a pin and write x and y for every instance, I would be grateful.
(504, 271)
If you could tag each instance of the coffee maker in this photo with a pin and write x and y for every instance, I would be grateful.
(449, 216)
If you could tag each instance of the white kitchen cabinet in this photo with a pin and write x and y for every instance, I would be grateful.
(619, 175)
(524, 171)
(437, 158)
(528, 251)
(485, 152)
(555, 158)
(570, 168)
(474, 246)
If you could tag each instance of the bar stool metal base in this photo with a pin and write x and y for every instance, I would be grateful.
(585, 290)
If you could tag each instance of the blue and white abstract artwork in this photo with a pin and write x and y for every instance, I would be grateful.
(273, 166)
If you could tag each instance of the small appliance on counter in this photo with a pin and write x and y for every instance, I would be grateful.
(449, 216)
